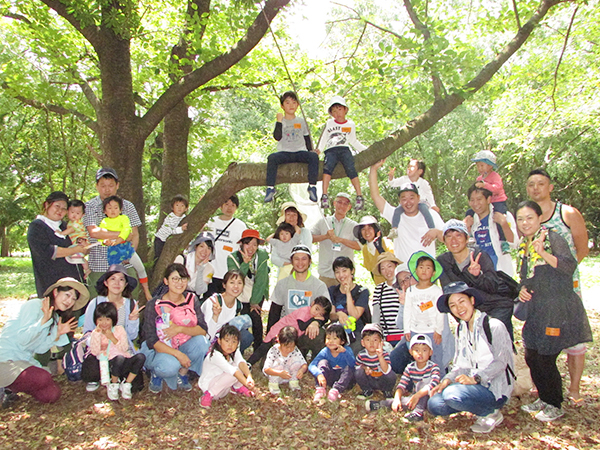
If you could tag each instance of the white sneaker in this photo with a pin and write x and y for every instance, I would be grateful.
(485, 424)
(113, 391)
(295, 385)
(534, 407)
(126, 390)
(274, 388)
(92, 387)
(550, 413)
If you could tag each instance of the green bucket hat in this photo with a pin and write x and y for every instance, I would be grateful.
(412, 265)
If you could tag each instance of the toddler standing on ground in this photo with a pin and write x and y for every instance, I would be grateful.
(285, 363)
(420, 313)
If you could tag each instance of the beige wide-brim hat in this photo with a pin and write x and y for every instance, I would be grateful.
(285, 207)
(385, 256)
(84, 294)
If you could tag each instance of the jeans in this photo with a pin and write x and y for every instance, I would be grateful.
(275, 159)
(457, 397)
(400, 357)
(344, 156)
(386, 382)
(167, 366)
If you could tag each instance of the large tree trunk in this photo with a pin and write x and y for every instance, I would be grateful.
(4, 244)
(175, 171)
(121, 143)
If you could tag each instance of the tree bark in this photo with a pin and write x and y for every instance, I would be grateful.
(240, 176)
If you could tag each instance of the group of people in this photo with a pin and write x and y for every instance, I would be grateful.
(208, 309)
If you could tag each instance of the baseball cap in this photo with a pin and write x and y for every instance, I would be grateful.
(371, 327)
(455, 224)
(336, 100)
(421, 339)
(408, 187)
(106, 171)
(301, 249)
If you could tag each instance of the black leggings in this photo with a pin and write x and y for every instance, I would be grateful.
(120, 367)
(257, 325)
(545, 376)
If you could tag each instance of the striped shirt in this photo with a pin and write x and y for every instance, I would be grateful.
(389, 304)
(94, 213)
(372, 362)
(170, 226)
(431, 373)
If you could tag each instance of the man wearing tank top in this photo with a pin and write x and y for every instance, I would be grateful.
(569, 223)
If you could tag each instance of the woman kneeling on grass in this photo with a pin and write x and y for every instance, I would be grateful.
(39, 325)
(480, 381)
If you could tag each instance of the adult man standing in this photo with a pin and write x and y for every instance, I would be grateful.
(296, 291)
(413, 232)
(227, 231)
(335, 235)
(569, 223)
(483, 228)
(107, 185)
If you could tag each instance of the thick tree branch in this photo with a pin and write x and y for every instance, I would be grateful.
(62, 8)
(562, 53)
(240, 176)
(177, 92)
(229, 87)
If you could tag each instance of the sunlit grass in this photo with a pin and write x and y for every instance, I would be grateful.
(16, 278)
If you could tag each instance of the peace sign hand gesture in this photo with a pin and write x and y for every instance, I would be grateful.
(475, 267)
(538, 244)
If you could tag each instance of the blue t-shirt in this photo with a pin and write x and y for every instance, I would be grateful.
(482, 238)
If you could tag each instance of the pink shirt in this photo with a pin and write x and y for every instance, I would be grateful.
(99, 343)
(301, 314)
(493, 183)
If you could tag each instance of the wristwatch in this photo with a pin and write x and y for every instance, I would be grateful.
(477, 379)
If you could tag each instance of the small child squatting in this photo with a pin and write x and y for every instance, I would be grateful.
(418, 379)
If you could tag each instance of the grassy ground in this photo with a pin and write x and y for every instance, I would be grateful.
(83, 420)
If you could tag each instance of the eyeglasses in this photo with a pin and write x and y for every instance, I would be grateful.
(179, 279)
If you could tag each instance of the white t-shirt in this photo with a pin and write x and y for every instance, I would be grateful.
(420, 310)
(410, 232)
(216, 365)
(226, 315)
(227, 242)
